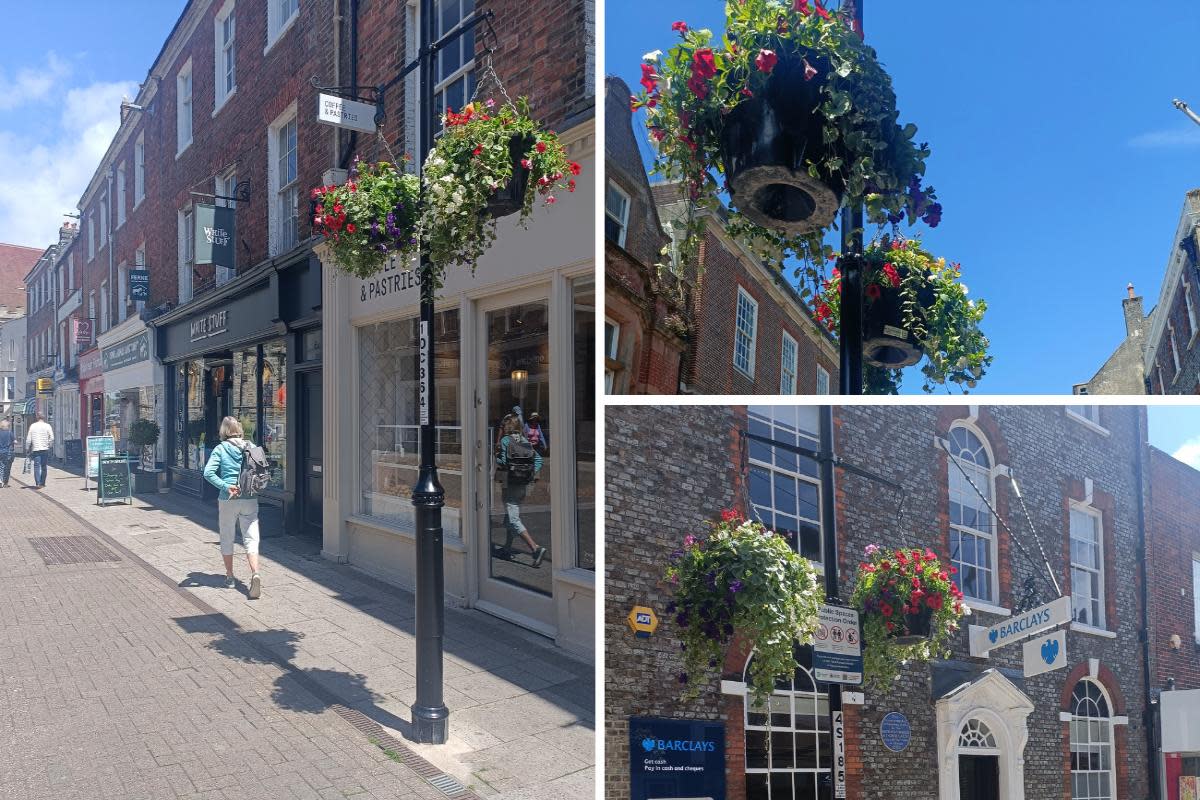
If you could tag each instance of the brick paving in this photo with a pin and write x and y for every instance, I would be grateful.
(327, 652)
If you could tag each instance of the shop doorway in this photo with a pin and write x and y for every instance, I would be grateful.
(978, 777)
(515, 556)
(312, 481)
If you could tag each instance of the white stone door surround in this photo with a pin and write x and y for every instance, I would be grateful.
(996, 702)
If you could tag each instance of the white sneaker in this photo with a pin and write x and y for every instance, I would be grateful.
(230, 582)
(255, 587)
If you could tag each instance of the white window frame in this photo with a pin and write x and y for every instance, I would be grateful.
(139, 169)
(787, 370)
(611, 348)
(1196, 593)
(785, 430)
(745, 331)
(621, 217)
(1174, 348)
(184, 108)
(465, 70)
(276, 189)
(277, 26)
(104, 304)
(103, 222)
(822, 380)
(122, 291)
(186, 253)
(1191, 311)
(224, 56)
(953, 474)
(121, 194)
(91, 235)
(1093, 724)
(1096, 608)
(1086, 415)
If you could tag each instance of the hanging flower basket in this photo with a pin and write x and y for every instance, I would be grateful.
(369, 219)
(488, 163)
(797, 112)
(746, 579)
(914, 307)
(909, 607)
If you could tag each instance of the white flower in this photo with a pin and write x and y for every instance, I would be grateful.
(653, 55)
(964, 288)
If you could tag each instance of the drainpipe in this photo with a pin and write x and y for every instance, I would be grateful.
(1149, 717)
(344, 163)
(112, 243)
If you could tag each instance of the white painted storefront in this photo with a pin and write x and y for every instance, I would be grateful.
(518, 334)
(133, 380)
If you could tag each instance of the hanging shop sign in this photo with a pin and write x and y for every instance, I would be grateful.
(139, 284)
(1046, 654)
(45, 384)
(837, 646)
(895, 731)
(344, 113)
(672, 758)
(214, 235)
(130, 351)
(839, 755)
(643, 621)
(1020, 626)
(81, 330)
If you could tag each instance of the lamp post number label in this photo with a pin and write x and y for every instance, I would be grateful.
(424, 372)
(839, 756)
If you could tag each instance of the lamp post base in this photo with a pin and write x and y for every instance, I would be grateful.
(430, 725)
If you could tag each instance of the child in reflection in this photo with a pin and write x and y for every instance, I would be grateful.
(517, 457)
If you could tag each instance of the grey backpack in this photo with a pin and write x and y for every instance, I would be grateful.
(255, 472)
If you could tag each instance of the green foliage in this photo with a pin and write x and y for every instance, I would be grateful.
(891, 585)
(746, 579)
(470, 161)
(948, 329)
(688, 92)
(370, 218)
(144, 433)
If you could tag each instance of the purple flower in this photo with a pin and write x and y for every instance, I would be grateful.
(689, 540)
(391, 220)
(683, 678)
(735, 586)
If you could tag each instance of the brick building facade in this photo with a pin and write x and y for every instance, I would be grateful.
(1078, 475)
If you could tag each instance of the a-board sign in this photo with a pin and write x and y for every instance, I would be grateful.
(113, 481)
(676, 758)
(98, 446)
(837, 646)
(1020, 626)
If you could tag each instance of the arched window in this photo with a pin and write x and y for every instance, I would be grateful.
(792, 757)
(1091, 743)
(972, 535)
(975, 735)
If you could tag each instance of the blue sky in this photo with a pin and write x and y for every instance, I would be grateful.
(1175, 429)
(1056, 152)
(61, 84)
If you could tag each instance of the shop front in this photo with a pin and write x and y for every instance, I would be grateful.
(132, 386)
(1180, 735)
(240, 352)
(514, 348)
(91, 393)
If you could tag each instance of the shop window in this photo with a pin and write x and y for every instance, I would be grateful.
(1087, 567)
(1091, 743)
(127, 406)
(585, 423)
(273, 435)
(784, 487)
(787, 365)
(389, 418)
(790, 755)
(745, 332)
(972, 535)
(244, 398)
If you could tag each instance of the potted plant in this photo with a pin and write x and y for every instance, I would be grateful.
(796, 111)
(914, 306)
(909, 607)
(143, 436)
(370, 218)
(488, 163)
(743, 579)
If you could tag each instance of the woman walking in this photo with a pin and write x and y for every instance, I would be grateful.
(522, 464)
(7, 446)
(222, 471)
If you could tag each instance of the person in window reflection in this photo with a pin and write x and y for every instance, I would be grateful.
(520, 463)
(536, 436)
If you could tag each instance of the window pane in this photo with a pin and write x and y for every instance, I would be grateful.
(585, 423)
(274, 401)
(245, 392)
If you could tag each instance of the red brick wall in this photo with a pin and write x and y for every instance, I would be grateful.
(1173, 539)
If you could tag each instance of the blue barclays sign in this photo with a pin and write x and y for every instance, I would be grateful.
(676, 758)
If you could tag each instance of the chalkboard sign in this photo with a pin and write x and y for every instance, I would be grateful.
(113, 481)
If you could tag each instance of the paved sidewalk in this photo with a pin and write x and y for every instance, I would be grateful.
(522, 712)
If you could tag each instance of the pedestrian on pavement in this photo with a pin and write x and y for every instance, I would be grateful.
(7, 451)
(38, 441)
(222, 471)
(521, 464)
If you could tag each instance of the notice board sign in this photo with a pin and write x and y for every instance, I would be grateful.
(98, 446)
(837, 646)
(113, 481)
(682, 759)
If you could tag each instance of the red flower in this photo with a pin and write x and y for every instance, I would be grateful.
(822, 13)
(526, 163)
(894, 278)
(575, 168)
(903, 559)
(810, 71)
(703, 63)
(885, 609)
(648, 79)
(746, 91)
(337, 208)
(885, 565)
(680, 26)
(477, 150)
(873, 291)
(930, 555)
(916, 582)
(351, 228)
(658, 133)
(766, 60)
(571, 185)
(730, 515)
(934, 601)
(823, 312)
(802, 7)
(541, 147)
(891, 626)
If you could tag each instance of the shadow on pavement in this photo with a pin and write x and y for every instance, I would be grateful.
(211, 580)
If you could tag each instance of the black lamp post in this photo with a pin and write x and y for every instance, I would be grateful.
(850, 363)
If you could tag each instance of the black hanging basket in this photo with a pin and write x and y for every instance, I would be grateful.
(765, 144)
(887, 342)
(918, 627)
(510, 198)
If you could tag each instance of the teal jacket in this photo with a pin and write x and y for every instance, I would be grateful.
(224, 465)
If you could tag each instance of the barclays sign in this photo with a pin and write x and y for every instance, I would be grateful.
(676, 758)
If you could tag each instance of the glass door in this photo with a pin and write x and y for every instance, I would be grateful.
(516, 459)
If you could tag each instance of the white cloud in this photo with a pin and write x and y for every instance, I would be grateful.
(1168, 138)
(1189, 452)
(47, 170)
(32, 84)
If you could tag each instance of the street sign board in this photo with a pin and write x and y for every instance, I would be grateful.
(676, 758)
(837, 646)
(1046, 654)
(643, 621)
(839, 755)
(1019, 626)
(343, 113)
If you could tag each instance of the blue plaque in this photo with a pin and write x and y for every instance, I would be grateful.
(895, 731)
(676, 758)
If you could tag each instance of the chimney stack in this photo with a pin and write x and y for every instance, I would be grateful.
(1135, 317)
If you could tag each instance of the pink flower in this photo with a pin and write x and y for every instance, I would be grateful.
(551, 200)
(766, 60)
(526, 163)
(680, 26)
(810, 71)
